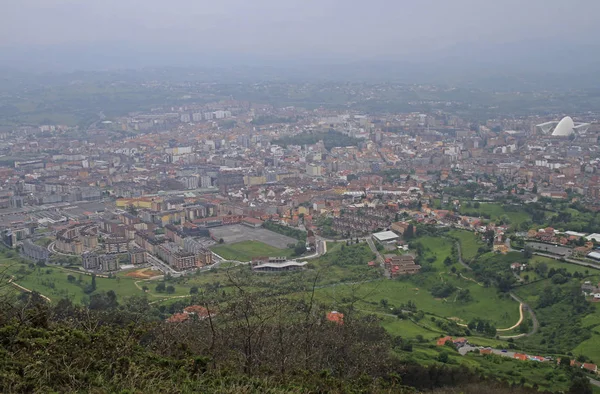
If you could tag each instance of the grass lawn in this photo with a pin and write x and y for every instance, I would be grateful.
(591, 347)
(407, 329)
(246, 250)
(469, 243)
(514, 213)
(54, 283)
(486, 303)
(552, 263)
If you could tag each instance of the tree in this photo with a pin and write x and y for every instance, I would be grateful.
(170, 289)
(103, 300)
(409, 233)
(71, 278)
(94, 281)
(535, 189)
(464, 295)
(559, 279)
(448, 261)
(528, 252)
(443, 357)
(565, 362)
(160, 288)
(489, 236)
(194, 290)
(145, 288)
(300, 248)
(221, 240)
(132, 209)
(580, 384)
(541, 269)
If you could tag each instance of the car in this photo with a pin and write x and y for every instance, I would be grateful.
(504, 350)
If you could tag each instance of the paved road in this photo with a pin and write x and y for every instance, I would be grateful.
(554, 249)
(536, 323)
(162, 266)
(572, 261)
(379, 258)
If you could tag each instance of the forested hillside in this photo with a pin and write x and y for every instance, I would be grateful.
(247, 344)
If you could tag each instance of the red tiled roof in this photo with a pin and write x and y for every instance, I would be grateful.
(178, 318)
(198, 310)
(335, 317)
(442, 341)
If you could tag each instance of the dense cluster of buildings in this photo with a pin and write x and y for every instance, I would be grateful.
(158, 182)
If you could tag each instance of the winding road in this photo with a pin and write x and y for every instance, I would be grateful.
(522, 306)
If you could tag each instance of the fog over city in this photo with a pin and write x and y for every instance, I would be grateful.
(67, 34)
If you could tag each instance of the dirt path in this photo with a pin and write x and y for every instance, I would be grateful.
(471, 279)
(26, 290)
(536, 324)
(460, 259)
(518, 323)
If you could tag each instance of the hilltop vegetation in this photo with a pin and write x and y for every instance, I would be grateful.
(250, 343)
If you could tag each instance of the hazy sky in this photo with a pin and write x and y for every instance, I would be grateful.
(364, 28)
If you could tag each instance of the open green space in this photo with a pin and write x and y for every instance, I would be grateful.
(533, 271)
(247, 250)
(546, 375)
(486, 303)
(568, 322)
(469, 243)
(511, 214)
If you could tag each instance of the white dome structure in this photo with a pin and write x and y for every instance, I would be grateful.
(564, 127)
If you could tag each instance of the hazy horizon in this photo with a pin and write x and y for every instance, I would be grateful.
(68, 34)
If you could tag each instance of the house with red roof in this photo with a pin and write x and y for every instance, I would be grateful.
(336, 317)
(178, 318)
(590, 367)
(442, 341)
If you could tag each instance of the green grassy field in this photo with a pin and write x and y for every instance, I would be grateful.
(469, 243)
(591, 347)
(497, 211)
(551, 263)
(407, 329)
(54, 283)
(246, 250)
(486, 303)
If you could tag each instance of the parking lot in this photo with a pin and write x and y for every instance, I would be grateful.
(238, 233)
(547, 248)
